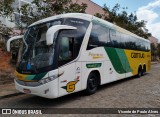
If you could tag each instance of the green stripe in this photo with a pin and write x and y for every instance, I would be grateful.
(30, 77)
(36, 77)
(123, 59)
(39, 76)
(118, 59)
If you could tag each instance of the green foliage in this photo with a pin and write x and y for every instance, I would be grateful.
(98, 15)
(76, 8)
(125, 20)
(4, 29)
(6, 8)
(47, 8)
(158, 49)
(155, 51)
(39, 9)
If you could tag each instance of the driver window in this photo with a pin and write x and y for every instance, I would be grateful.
(66, 48)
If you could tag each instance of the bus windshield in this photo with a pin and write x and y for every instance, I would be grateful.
(35, 53)
(37, 56)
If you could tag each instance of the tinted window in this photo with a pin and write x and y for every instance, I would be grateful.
(65, 52)
(113, 37)
(103, 36)
(124, 41)
(70, 40)
(78, 34)
(99, 36)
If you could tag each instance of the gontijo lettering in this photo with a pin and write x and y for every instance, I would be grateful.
(137, 55)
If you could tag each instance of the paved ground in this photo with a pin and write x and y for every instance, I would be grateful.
(141, 92)
(8, 90)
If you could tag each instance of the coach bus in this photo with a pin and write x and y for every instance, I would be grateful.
(71, 52)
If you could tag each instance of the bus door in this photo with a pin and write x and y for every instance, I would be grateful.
(69, 70)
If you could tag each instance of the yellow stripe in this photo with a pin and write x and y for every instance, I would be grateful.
(20, 76)
(135, 60)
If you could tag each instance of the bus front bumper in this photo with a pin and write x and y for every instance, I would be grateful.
(48, 90)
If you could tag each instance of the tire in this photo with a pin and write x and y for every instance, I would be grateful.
(139, 72)
(144, 70)
(92, 84)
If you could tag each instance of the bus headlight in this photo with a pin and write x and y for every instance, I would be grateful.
(48, 79)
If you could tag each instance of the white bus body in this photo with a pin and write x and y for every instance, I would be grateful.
(71, 52)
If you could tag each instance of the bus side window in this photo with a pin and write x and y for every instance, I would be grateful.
(113, 37)
(93, 42)
(99, 36)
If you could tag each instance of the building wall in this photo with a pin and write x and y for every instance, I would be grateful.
(92, 8)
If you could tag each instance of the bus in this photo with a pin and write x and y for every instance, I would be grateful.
(72, 52)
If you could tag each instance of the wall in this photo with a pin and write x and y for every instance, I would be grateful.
(92, 8)
(153, 40)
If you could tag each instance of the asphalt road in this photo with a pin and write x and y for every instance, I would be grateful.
(132, 92)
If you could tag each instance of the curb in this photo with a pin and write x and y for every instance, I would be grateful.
(11, 95)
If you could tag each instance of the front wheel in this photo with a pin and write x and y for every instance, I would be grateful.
(92, 84)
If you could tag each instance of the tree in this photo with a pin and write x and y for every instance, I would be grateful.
(37, 10)
(5, 31)
(125, 20)
(6, 11)
(6, 8)
(154, 52)
(158, 49)
(42, 9)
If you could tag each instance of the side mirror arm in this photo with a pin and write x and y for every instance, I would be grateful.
(51, 31)
(11, 39)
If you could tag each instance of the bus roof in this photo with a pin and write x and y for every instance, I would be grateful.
(71, 15)
(89, 18)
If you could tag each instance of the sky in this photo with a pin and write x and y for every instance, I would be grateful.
(147, 10)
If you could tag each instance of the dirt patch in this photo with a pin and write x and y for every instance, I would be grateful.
(6, 69)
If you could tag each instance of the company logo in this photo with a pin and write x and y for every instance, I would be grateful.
(96, 56)
(6, 111)
(70, 87)
(23, 111)
(137, 55)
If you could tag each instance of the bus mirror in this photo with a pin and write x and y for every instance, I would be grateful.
(51, 31)
(11, 39)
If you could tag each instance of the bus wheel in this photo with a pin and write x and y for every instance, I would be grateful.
(140, 72)
(92, 84)
(144, 70)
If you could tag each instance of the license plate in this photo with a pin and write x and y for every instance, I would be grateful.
(27, 91)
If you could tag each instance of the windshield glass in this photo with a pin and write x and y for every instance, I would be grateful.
(36, 54)
(37, 57)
